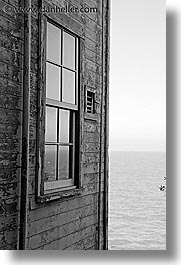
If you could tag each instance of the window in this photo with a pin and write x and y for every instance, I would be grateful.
(61, 108)
(90, 102)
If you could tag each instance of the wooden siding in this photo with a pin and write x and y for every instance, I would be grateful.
(68, 223)
(11, 46)
(71, 223)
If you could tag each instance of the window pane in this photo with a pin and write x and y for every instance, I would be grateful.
(68, 51)
(64, 117)
(50, 162)
(63, 163)
(53, 82)
(51, 125)
(53, 43)
(77, 52)
(68, 86)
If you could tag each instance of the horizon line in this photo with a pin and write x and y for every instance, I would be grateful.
(149, 151)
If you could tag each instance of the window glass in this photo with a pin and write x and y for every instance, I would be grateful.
(53, 82)
(68, 86)
(61, 72)
(63, 172)
(64, 121)
(50, 162)
(53, 43)
(77, 52)
(51, 125)
(68, 51)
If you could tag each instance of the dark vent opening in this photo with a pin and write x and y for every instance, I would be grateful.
(90, 102)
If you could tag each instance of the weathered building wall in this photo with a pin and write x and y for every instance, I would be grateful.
(11, 55)
(69, 223)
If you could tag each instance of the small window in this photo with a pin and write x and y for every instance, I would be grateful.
(90, 102)
(61, 109)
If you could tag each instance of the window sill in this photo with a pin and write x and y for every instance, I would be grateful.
(61, 194)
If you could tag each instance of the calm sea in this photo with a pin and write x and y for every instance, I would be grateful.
(137, 208)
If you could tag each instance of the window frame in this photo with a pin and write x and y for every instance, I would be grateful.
(63, 190)
(90, 109)
(61, 105)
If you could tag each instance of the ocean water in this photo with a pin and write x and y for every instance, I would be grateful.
(137, 208)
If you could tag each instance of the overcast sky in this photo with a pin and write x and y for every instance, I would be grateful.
(137, 76)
